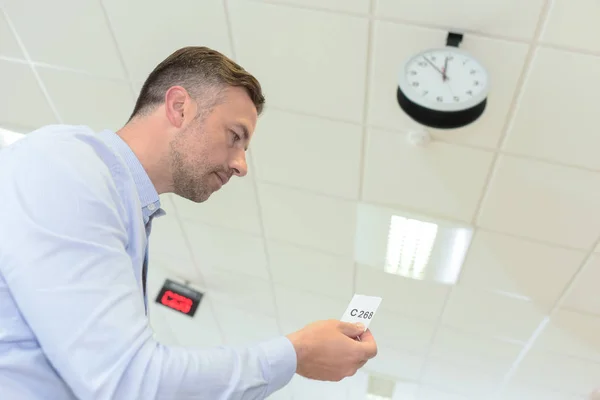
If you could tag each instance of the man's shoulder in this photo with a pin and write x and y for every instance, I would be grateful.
(77, 145)
(60, 137)
(73, 152)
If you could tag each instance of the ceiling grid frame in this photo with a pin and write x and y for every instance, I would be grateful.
(535, 43)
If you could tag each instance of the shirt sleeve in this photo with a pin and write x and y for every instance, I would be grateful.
(63, 256)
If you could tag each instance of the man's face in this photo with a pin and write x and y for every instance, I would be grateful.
(213, 149)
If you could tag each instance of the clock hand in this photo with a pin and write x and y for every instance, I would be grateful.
(444, 76)
(433, 65)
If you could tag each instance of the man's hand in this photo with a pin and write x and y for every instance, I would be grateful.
(328, 350)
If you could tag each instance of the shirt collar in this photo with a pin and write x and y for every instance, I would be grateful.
(147, 193)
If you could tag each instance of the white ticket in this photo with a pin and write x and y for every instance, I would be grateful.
(361, 309)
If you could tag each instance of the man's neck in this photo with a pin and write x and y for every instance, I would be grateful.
(151, 149)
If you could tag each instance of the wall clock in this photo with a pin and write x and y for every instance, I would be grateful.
(444, 88)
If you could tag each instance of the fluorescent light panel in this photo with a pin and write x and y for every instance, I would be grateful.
(375, 397)
(409, 246)
(380, 388)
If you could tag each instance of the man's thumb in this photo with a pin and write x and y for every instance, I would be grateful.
(352, 329)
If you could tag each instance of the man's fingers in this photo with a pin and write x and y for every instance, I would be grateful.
(351, 330)
(367, 335)
(367, 342)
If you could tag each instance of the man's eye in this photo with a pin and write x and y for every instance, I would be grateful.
(236, 137)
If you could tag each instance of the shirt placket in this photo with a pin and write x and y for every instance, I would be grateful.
(148, 228)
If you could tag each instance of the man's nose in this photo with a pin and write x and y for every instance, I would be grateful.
(239, 165)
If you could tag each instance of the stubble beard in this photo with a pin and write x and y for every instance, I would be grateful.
(188, 181)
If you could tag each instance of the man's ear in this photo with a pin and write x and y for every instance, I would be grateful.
(176, 99)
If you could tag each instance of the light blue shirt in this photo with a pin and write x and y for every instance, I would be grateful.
(75, 214)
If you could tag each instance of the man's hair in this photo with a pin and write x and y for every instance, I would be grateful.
(203, 72)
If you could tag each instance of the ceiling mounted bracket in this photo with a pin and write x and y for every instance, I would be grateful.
(454, 39)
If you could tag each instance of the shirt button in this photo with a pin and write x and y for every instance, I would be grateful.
(151, 207)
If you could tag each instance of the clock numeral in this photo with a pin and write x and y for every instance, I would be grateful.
(425, 92)
(422, 64)
(465, 61)
(473, 72)
(439, 98)
(456, 98)
(413, 73)
(476, 83)
(415, 84)
(470, 92)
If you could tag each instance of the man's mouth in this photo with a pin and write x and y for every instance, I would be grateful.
(223, 178)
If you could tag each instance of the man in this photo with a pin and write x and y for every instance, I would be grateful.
(76, 212)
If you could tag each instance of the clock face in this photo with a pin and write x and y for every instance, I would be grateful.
(446, 79)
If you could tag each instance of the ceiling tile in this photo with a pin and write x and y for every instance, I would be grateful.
(284, 393)
(8, 44)
(549, 124)
(67, 33)
(198, 23)
(583, 296)
(303, 388)
(201, 331)
(409, 297)
(472, 350)
(571, 334)
(243, 328)
(525, 392)
(311, 271)
(175, 328)
(167, 237)
(443, 179)
(233, 207)
(161, 330)
(390, 362)
(408, 335)
(558, 372)
(306, 219)
(427, 393)
(285, 153)
(476, 382)
(569, 216)
(357, 385)
(241, 291)
(496, 17)
(512, 265)
(168, 249)
(227, 251)
(22, 129)
(504, 61)
(355, 6)
(179, 267)
(315, 58)
(491, 314)
(405, 390)
(81, 99)
(19, 95)
(573, 23)
(297, 308)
